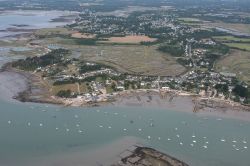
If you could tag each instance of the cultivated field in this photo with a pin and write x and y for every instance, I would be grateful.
(236, 62)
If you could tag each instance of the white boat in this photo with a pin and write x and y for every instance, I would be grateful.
(194, 141)
(191, 144)
(181, 143)
(124, 129)
(109, 127)
(29, 123)
(100, 126)
(222, 140)
(234, 141)
(139, 129)
(178, 136)
(40, 124)
(169, 139)
(9, 122)
(159, 138)
(67, 130)
(149, 137)
(245, 147)
(205, 146)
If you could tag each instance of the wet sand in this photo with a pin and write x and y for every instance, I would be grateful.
(178, 103)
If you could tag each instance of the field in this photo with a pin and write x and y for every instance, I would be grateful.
(82, 88)
(133, 39)
(243, 28)
(237, 62)
(231, 39)
(79, 35)
(133, 59)
(242, 46)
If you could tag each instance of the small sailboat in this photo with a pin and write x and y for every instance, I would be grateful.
(9, 122)
(139, 129)
(159, 138)
(67, 130)
(193, 136)
(80, 131)
(176, 129)
(234, 141)
(29, 123)
(149, 137)
(194, 141)
(77, 125)
(245, 147)
(205, 146)
(244, 141)
(192, 145)
(41, 125)
(178, 136)
(57, 128)
(76, 116)
(124, 129)
(181, 143)
(222, 140)
(101, 126)
(169, 139)
(109, 127)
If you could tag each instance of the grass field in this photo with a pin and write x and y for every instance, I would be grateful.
(231, 39)
(133, 59)
(237, 62)
(72, 87)
(242, 46)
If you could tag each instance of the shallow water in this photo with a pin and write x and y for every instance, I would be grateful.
(31, 20)
(29, 131)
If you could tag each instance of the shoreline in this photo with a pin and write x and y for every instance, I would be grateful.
(35, 92)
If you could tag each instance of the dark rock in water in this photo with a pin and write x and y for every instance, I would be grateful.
(147, 157)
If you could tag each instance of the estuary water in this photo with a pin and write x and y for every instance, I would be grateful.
(37, 132)
(23, 20)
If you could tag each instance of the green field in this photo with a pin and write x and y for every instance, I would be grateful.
(237, 62)
(231, 39)
(242, 46)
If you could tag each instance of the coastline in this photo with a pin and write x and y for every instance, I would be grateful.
(35, 91)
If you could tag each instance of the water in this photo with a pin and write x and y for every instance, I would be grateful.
(32, 20)
(28, 131)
